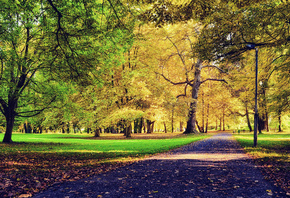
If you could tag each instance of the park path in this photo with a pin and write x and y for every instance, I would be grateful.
(215, 167)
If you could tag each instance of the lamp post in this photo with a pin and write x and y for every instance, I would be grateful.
(256, 117)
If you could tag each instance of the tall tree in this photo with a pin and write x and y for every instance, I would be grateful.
(55, 39)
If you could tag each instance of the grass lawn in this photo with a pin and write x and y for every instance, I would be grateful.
(272, 154)
(35, 161)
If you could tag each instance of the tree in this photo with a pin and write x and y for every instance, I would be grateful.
(232, 26)
(58, 40)
(181, 62)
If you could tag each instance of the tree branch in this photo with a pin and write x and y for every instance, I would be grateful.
(37, 112)
(184, 92)
(174, 83)
(179, 54)
(213, 79)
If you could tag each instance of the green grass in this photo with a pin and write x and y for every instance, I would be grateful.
(271, 146)
(267, 142)
(64, 144)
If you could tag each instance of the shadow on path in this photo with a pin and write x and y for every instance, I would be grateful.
(215, 167)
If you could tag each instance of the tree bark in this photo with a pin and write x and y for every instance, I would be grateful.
(191, 128)
(224, 119)
(248, 119)
(181, 126)
(10, 115)
(172, 120)
(97, 132)
(202, 100)
(9, 128)
(199, 127)
(165, 129)
(207, 115)
(129, 131)
(279, 121)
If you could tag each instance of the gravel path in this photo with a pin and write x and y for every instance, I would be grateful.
(216, 167)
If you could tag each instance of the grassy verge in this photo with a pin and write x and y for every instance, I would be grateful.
(272, 154)
(35, 161)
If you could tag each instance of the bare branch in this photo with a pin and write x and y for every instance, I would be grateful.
(179, 54)
(35, 112)
(184, 92)
(174, 83)
(213, 79)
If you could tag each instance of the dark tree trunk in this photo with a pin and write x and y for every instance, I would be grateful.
(248, 119)
(9, 128)
(97, 132)
(128, 131)
(279, 121)
(172, 120)
(25, 128)
(202, 100)
(40, 129)
(267, 122)
(191, 128)
(67, 127)
(216, 123)
(152, 127)
(207, 116)
(165, 130)
(263, 115)
(138, 125)
(199, 127)
(224, 119)
(262, 123)
(9, 113)
(181, 127)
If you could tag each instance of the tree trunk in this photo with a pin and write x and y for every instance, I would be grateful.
(172, 120)
(224, 119)
(279, 121)
(97, 132)
(262, 123)
(138, 125)
(129, 131)
(248, 119)
(165, 130)
(10, 119)
(191, 128)
(9, 128)
(216, 123)
(263, 114)
(25, 128)
(181, 126)
(199, 127)
(207, 115)
(152, 127)
(202, 101)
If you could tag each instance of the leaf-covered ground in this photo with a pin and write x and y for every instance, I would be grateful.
(215, 167)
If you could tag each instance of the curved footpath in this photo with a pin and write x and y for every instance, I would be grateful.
(215, 167)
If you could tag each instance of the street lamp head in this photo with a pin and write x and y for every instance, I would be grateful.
(251, 46)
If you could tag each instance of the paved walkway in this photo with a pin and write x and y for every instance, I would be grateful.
(216, 167)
